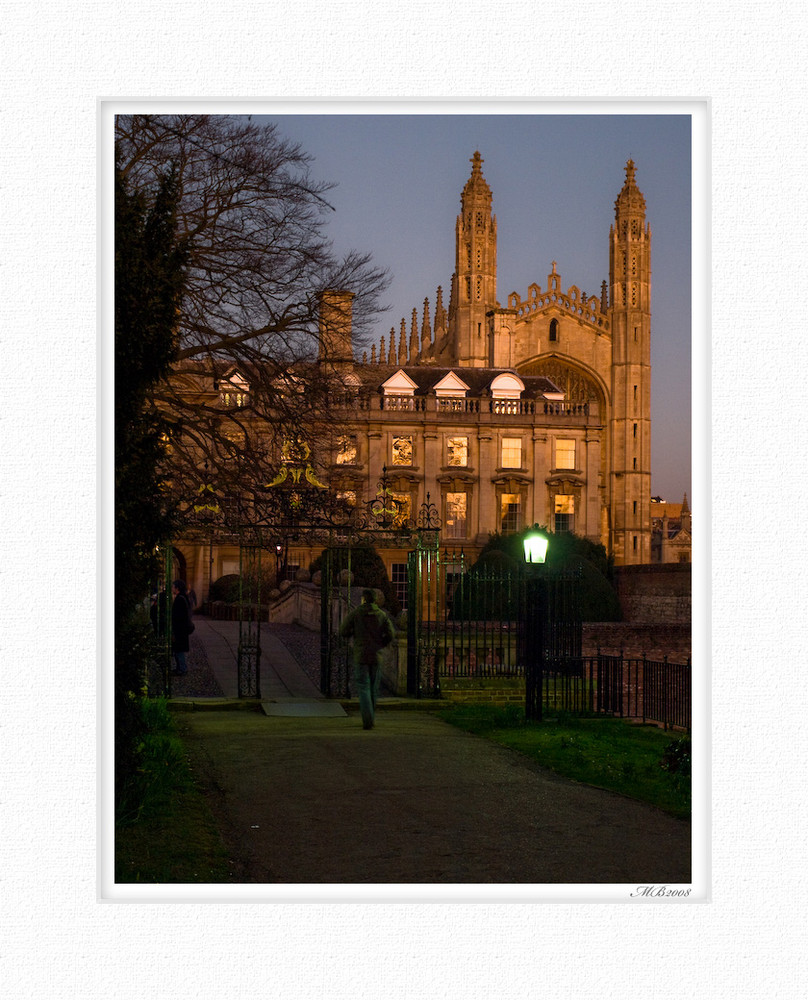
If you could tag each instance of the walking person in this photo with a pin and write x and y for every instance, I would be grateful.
(181, 628)
(371, 630)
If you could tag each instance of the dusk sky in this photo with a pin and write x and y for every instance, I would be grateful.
(554, 180)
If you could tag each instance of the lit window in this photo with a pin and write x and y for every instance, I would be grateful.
(511, 453)
(455, 523)
(403, 504)
(458, 450)
(346, 449)
(347, 497)
(565, 453)
(510, 513)
(564, 513)
(398, 574)
(402, 451)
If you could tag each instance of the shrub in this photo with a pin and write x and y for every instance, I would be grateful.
(676, 757)
(367, 568)
(226, 588)
(504, 555)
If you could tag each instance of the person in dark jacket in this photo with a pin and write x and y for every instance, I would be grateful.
(371, 630)
(181, 627)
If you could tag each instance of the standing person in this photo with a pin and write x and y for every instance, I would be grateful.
(371, 630)
(181, 627)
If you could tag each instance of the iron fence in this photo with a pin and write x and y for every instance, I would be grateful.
(638, 688)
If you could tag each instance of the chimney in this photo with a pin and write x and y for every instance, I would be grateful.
(335, 325)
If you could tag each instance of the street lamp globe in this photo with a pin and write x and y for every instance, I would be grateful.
(535, 544)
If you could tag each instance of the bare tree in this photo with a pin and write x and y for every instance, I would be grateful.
(252, 365)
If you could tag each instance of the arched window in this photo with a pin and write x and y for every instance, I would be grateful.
(554, 330)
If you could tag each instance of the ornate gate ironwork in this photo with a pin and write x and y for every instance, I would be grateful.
(249, 618)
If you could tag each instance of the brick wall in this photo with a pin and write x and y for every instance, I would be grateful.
(482, 690)
(657, 593)
(655, 640)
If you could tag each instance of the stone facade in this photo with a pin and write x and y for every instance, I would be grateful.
(537, 410)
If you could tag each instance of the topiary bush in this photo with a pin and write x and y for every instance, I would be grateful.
(504, 555)
(367, 568)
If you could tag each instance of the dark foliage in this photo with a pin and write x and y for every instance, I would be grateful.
(502, 560)
(149, 265)
(676, 757)
(367, 568)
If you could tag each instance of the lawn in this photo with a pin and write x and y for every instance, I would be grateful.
(641, 762)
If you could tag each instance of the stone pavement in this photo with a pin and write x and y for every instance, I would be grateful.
(282, 678)
(312, 799)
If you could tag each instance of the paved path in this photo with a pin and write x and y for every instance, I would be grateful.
(414, 800)
(281, 676)
(306, 800)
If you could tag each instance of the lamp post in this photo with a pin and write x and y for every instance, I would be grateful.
(533, 621)
(278, 563)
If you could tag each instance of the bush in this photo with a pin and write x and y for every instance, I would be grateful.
(159, 762)
(367, 568)
(225, 588)
(676, 757)
(504, 554)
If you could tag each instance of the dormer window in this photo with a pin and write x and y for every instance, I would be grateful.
(450, 393)
(398, 392)
(506, 393)
(234, 390)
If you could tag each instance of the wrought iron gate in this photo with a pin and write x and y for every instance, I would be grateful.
(335, 601)
(249, 616)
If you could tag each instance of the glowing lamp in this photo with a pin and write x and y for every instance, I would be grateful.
(535, 547)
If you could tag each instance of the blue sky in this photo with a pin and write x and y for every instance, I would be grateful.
(554, 179)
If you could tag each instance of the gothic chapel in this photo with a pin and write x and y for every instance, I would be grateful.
(537, 411)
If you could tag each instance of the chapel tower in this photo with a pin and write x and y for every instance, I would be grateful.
(475, 283)
(630, 300)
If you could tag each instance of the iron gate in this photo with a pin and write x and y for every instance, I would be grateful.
(335, 602)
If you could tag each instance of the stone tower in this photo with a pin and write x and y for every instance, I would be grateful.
(475, 284)
(630, 460)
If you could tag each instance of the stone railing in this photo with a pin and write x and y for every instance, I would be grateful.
(469, 404)
(572, 301)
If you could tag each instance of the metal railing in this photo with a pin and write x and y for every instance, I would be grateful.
(639, 688)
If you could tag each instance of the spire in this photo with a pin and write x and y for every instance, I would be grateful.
(373, 354)
(414, 336)
(402, 344)
(685, 506)
(426, 331)
(476, 184)
(604, 296)
(440, 312)
(630, 198)
(391, 354)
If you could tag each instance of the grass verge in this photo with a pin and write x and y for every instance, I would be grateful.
(165, 831)
(635, 761)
